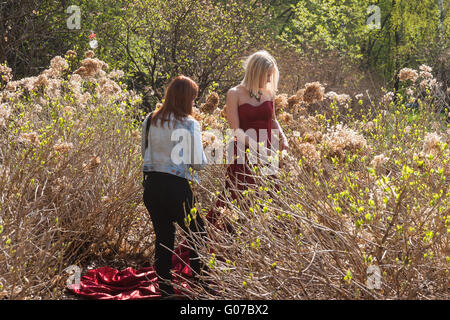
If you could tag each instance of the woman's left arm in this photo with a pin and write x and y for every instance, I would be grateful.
(275, 125)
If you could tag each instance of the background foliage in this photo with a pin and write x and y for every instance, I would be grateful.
(152, 41)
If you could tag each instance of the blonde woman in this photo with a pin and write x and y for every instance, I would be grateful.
(250, 109)
(250, 105)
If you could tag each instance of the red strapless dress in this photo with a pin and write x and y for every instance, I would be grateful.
(238, 174)
(131, 284)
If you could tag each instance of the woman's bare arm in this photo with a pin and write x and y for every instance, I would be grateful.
(276, 125)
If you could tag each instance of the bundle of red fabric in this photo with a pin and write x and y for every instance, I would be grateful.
(107, 283)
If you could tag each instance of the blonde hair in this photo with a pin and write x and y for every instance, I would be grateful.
(257, 67)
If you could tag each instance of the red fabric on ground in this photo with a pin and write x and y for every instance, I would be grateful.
(107, 283)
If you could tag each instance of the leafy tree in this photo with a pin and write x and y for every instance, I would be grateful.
(34, 31)
(411, 32)
(155, 40)
(327, 25)
(29, 34)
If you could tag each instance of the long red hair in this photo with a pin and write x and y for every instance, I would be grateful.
(178, 100)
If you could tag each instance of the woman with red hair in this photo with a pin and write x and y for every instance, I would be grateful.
(172, 151)
(171, 148)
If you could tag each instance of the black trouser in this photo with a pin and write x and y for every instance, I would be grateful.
(169, 199)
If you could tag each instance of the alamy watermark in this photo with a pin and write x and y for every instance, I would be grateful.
(373, 277)
(374, 20)
(262, 149)
(74, 276)
(74, 21)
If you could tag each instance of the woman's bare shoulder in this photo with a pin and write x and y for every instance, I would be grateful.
(234, 94)
(233, 91)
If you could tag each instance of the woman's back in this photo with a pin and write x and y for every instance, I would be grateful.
(173, 147)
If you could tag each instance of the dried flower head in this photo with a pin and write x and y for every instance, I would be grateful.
(426, 75)
(425, 68)
(53, 88)
(197, 114)
(70, 54)
(107, 87)
(37, 108)
(309, 152)
(85, 98)
(211, 120)
(339, 98)
(431, 144)
(29, 138)
(339, 139)
(63, 147)
(435, 125)
(5, 74)
(423, 84)
(300, 94)
(11, 86)
(299, 110)
(313, 137)
(75, 79)
(430, 83)
(369, 126)
(408, 74)
(93, 163)
(286, 117)
(378, 162)
(407, 129)
(136, 134)
(5, 110)
(217, 113)
(331, 95)
(208, 138)
(90, 67)
(281, 102)
(59, 64)
(116, 74)
(105, 199)
(41, 81)
(211, 104)
(343, 98)
(68, 109)
(5, 113)
(313, 92)
(387, 98)
(60, 184)
(89, 54)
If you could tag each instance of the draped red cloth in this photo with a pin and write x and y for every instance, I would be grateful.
(130, 284)
(107, 283)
